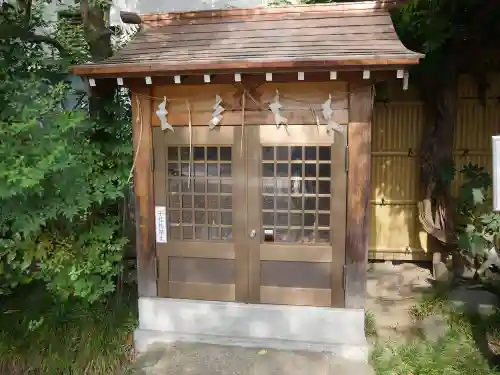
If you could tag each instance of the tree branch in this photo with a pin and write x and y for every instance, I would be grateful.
(36, 38)
(16, 31)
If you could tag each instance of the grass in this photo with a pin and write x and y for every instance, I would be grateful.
(370, 327)
(469, 347)
(454, 354)
(41, 336)
(77, 339)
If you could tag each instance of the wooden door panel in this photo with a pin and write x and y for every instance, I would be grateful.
(295, 296)
(285, 252)
(297, 179)
(194, 250)
(202, 291)
(199, 261)
(219, 186)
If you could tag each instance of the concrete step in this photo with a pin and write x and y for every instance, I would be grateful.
(207, 359)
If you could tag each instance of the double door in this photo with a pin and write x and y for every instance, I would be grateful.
(254, 214)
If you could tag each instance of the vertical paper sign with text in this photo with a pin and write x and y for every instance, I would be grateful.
(161, 224)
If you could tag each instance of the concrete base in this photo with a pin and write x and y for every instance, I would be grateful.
(204, 359)
(316, 329)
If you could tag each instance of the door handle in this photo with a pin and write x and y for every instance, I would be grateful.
(253, 233)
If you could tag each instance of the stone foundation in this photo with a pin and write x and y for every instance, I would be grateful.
(316, 329)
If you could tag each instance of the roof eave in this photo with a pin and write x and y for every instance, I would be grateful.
(141, 69)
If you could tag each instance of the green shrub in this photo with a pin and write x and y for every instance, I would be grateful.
(62, 175)
(477, 225)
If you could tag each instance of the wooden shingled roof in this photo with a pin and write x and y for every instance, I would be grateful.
(358, 34)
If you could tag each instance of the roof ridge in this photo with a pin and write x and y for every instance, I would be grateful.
(353, 6)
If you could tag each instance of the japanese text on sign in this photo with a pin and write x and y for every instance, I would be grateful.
(161, 224)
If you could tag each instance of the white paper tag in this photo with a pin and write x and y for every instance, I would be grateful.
(161, 224)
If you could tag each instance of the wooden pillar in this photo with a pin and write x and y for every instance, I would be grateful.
(144, 194)
(358, 194)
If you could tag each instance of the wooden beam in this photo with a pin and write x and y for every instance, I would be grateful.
(144, 194)
(233, 118)
(260, 78)
(165, 68)
(201, 99)
(358, 194)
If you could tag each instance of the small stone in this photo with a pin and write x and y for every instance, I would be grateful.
(475, 300)
(462, 267)
(262, 352)
(441, 272)
(467, 273)
(434, 327)
(151, 357)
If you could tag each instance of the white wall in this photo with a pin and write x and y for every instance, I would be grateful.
(53, 6)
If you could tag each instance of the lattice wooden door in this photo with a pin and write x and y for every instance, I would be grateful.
(297, 191)
(259, 219)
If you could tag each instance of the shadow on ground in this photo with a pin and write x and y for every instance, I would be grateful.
(392, 290)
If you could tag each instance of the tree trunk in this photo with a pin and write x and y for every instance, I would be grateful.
(98, 36)
(436, 173)
(96, 30)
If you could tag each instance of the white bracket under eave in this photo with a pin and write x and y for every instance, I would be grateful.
(177, 79)
(119, 81)
(333, 76)
(366, 74)
(91, 82)
(400, 73)
(237, 77)
(269, 77)
(300, 76)
(148, 80)
(206, 78)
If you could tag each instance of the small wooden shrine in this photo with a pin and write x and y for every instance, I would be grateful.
(252, 132)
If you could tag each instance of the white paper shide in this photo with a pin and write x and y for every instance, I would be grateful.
(216, 113)
(275, 108)
(327, 111)
(162, 115)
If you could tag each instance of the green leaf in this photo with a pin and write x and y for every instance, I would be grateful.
(477, 196)
(477, 244)
(464, 241)
(470, 229)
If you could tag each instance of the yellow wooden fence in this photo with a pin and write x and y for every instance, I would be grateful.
(396, 233)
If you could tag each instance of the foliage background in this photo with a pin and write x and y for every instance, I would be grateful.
(63, 173)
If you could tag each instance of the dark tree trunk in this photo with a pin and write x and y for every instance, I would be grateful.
(97, 32)
(98, 36)
(439, 95)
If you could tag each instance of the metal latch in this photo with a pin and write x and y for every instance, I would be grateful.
(344, 276)
(346, 158)
(152, 161)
